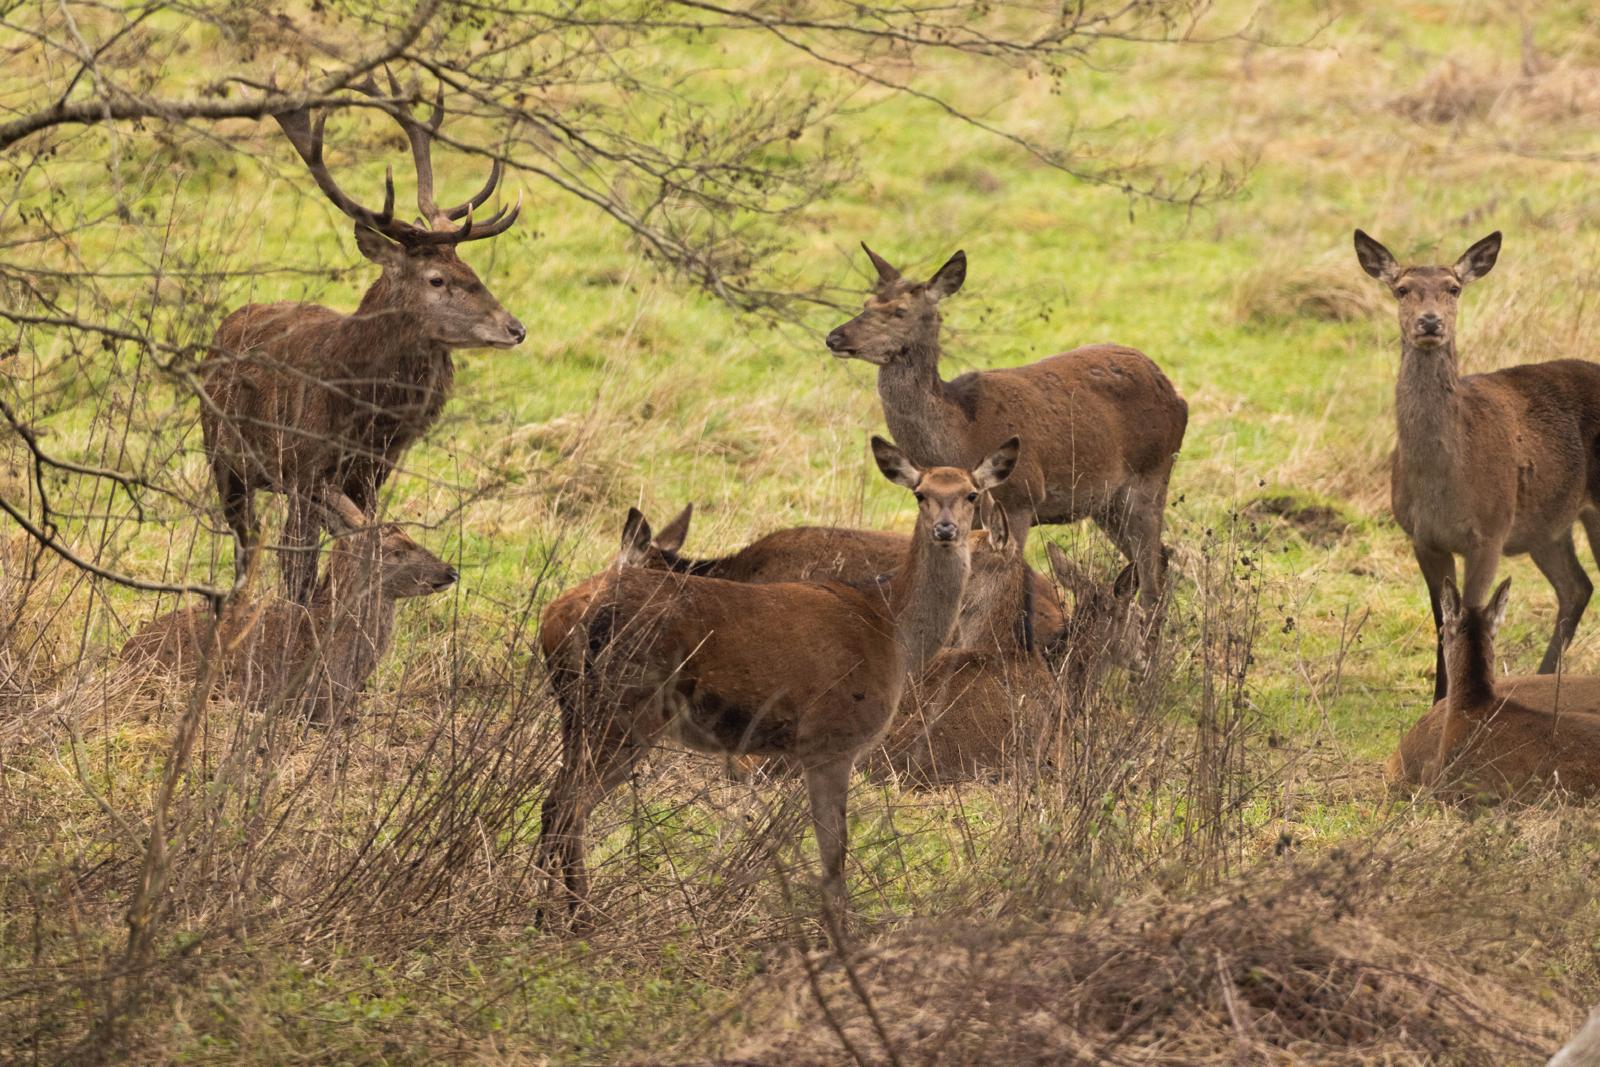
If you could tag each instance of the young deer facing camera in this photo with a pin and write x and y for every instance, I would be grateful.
(808, 671)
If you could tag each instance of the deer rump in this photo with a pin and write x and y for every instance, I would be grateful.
(779, 669)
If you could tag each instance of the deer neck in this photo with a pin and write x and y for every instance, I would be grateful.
(922, 417)
(357, 625)
(925, 599)
(1469, 669)
(1428, 407)
(392, 329)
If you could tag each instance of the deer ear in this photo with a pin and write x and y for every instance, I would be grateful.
(947, 280)
(378, 248)
(1068, 573)
(1449, 602)
(635, 535)
(886, 272)
(894, 464)
(1497, 606)
(343, 515)
(1478, 260)
(998, 467)
(995, 522)
(672, 535)
(1375, 259)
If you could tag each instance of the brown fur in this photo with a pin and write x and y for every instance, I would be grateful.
(318, 656)
(796, 554)
(1499, 737)
(298, 398)
(981, 701)
(1101, 425)
(1488, 464)
(809, 672)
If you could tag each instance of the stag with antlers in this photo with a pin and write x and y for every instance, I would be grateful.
(299, 399)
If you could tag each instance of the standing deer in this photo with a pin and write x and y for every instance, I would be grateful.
(1487, 465)
(298, 398)
(794, 554)
(319, 656)
(810, 672)
(1102, 424)
(1498, 736)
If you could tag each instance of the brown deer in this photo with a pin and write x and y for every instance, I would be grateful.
(978, 700)
(298, 398)
(808, 672)
(1487, 465)
(316, 657)
(1497, 737)
(795, 554)
(1102, 424)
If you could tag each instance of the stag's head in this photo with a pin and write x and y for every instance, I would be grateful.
(1428, 296)
(900, 320)
(421, 271)
(948, 498)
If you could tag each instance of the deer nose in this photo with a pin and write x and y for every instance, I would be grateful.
(945, 531)
(1430, 323)
(836, 341)
(517, 331)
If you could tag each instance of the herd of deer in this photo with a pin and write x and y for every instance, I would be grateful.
(817, 646)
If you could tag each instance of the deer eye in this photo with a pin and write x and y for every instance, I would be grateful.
(972, 498)
(919, 496)
(1455, 290)
(437, 281)
(899, 313)
(1402, 291)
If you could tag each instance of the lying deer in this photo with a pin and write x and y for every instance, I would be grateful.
(1497, 737)
(316, 657)
(809, 672)
(975, 704)
(1102, 424)
(1487, 465)
(297, 398)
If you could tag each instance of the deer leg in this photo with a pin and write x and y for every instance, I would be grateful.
(828, 785)
(1558, 561)
(298, 554)
(1133, 523)
(238, 508)
(587, 776)
(1436, 566)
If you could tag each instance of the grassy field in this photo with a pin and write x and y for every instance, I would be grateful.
(1427, 124)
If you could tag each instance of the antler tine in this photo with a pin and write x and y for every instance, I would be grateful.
(305, 134)
(497, 224)
(467, 207)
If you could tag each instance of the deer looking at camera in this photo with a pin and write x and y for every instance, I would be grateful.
(810, 672)
(1497, 736)
(1102, 425)
(1487, 465)
(793, 554)
(298, 398)
(314, 657)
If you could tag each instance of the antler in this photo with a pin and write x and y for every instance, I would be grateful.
(420, 137)
(304, 132)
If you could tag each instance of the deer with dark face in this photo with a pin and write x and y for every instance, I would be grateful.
(809, 672)
(1487, 465)
(1101, 425)
(298, 399)
(1497, 736)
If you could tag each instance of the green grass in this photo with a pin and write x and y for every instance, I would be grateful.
(634, 388)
